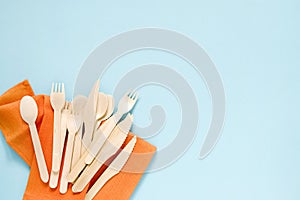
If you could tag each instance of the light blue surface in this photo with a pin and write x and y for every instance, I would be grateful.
(255, 45)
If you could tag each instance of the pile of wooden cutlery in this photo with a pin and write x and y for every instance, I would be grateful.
(80, 135)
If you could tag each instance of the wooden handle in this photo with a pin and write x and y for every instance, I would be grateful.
(86, 176)
(63, 133)
(56, 142)
(108, 174)
(39, 154)
(101, 136)
(76, 149)
(53, 179)
(75, 171)
(67, 164)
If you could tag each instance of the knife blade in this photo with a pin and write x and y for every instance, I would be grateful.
(111, 146)
(112, 170)
(101, 136)
(89, 115)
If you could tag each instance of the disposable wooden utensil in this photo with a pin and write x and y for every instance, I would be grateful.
(125, 105)
(29, 112)
(80, 165)
(89, 115)
(102, 105)
(112, 170)
(63, 125)
(108, 113)
(109, 110)
(57, 99)
(54, 176)
(78, 105)
(72, 129)
(111, 146)
(77, 168)
(77, 147)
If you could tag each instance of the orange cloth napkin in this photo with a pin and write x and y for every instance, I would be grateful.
(17, 135)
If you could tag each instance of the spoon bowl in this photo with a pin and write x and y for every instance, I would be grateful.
(111, 107)
(109, 110)
(101, 106)
(28, 109)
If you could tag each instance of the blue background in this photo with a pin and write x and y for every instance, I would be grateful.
(255, 46)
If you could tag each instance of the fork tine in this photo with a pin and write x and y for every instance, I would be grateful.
(63, 88)
(128, 93)
(131, 94)
(55, 90)
(135, 95)
(52, 88)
